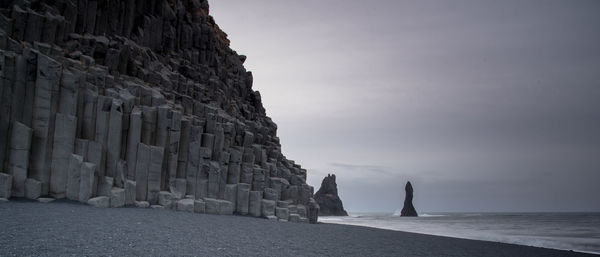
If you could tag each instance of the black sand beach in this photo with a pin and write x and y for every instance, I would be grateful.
(66, 228)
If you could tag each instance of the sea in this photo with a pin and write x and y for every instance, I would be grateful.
(566, 231)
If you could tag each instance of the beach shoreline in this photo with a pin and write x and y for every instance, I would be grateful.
(68, 228)
(463, 226)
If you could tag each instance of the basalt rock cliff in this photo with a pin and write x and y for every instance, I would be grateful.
(327, 197)
(137, 102)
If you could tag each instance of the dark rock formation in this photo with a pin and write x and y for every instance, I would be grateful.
(327, 197)
(408, 210)
(138, 103)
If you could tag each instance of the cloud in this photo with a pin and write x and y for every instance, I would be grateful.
(476, 101)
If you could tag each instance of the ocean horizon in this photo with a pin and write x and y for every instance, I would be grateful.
(576, 231)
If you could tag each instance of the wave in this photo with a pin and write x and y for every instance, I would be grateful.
(431, 215)
(578, 233)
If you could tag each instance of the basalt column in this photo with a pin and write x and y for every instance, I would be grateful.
(139, 104)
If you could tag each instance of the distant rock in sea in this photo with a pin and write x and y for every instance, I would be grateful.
(408, 210)
(328, 199)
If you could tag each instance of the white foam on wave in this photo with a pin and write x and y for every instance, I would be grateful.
(514, 229)
(425, 215)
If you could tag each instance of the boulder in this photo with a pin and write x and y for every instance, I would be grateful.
(225, 207)
(141, 204)
(186, 205)
(99, 202)
(199, 206)
(212, 205)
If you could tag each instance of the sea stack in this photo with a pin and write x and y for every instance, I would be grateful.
(408, 210)
(137, 103)
(327, 197)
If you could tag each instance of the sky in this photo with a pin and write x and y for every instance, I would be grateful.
(484, 105)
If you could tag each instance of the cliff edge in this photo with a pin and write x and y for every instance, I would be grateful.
(141, 103)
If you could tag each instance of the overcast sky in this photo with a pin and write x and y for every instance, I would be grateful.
(484, 105)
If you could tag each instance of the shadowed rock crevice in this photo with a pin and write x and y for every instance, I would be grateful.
(327, 197)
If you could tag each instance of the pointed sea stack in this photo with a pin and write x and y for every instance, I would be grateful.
(408, 210)
(327, 197)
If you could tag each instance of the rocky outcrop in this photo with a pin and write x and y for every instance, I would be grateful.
(327, 197)
(408, 209)
(139, 102)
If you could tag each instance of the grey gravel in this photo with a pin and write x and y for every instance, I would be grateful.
(65, 228)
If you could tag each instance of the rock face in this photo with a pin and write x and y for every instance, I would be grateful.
(146, 95)
(327, 197)
(408, 210)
